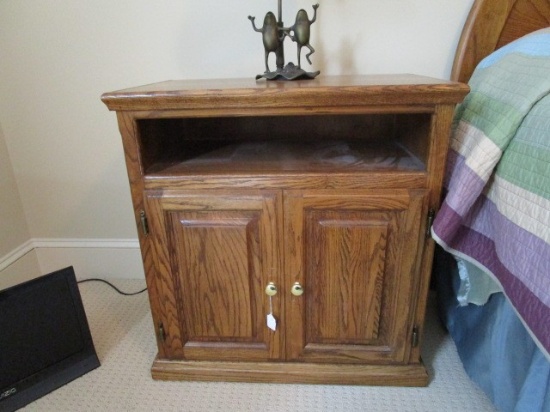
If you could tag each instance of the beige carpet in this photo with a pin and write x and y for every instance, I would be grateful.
(123, 335)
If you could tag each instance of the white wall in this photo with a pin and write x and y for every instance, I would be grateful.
(13, 225)
(58, 56)
(17, 261)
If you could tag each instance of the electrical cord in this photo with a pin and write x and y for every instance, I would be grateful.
(113, 286)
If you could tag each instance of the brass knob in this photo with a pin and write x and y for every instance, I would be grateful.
(271, 289)
(297, 289)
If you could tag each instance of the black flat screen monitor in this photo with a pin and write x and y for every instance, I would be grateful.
(45, 340)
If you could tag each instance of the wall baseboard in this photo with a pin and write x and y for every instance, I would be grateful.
(86, 243)
(103, 258)
(15, 255)
(26, 267)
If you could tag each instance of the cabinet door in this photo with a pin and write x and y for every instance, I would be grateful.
(356, 256)
(215, 253)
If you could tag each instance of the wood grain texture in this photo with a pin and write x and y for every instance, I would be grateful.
(492, 24)
(218, 258)
(297, 180)
(351, 253)
(348, 306)
(279, 372)
(128, 131)
(246, 94)
(219, 250)
(437, 155)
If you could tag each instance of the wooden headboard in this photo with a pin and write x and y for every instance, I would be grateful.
(492, 24)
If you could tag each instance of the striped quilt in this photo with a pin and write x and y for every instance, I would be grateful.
(497, 210)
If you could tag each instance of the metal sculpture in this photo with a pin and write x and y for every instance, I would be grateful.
(302, 32)
(273, 36)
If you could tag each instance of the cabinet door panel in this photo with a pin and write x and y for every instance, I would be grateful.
(345, 269)
(355, 256)
(217, 271)
(222, 251)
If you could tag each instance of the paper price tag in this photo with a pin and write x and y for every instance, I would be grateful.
(271, 322)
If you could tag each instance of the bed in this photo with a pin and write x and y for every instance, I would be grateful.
(492, 273)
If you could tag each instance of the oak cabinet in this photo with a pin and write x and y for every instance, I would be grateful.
(283, 226)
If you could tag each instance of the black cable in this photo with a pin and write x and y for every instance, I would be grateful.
(113, 286)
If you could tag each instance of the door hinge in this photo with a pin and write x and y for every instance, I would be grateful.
(144, 223)
(415, 336)
(161, 333)
(431, 216)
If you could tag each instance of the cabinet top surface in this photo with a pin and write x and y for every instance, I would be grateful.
(329, 91)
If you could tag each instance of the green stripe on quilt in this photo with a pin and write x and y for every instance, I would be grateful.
(495, 119)
(527, 167)
(526, 163)
(517, 81)
(503, 94)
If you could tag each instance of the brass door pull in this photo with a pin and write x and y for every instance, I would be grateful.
(297, 289)
(271, 289)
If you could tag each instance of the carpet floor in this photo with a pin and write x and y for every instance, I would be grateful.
(122, 331)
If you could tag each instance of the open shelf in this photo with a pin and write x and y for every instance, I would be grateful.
(278, 156)
(308, 144)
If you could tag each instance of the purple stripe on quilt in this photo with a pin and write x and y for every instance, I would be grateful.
(535, 314)
(465, 186)
(448, 226)
(446, 223)
(523, 253)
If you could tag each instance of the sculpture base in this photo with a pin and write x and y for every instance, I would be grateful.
(289, 72)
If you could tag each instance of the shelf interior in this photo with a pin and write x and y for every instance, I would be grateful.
(279, 144)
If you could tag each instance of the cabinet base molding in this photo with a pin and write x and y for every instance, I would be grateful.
(281, 372)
